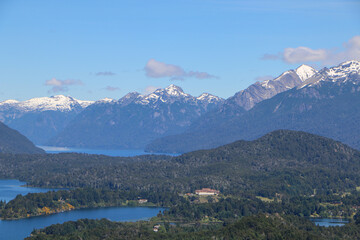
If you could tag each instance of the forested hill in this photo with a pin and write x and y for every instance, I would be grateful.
(326, 105)
(283, 161)
(11, 141)
(281, 146)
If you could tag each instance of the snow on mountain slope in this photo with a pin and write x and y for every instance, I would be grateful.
(344, 69)
(173, 90)
(328, 105)
(105, 100)
(260, 91)
(63, 103)
(305, 72)
(168, 95)
(209, 98)
(54, 103)
(344, 72)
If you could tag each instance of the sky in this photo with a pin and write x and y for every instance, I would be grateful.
(92, 49)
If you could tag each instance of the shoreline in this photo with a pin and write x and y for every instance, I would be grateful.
(81, 208)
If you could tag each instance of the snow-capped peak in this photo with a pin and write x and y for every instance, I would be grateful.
(209, 98)
(131, 95)
(84, 103)
(344, 68)
(107, 100)
(174, 90)
(129, 98)
(281, 76)
(340, 74)
(355, 65)
(10, 101)
(305, 72)
(54, 103)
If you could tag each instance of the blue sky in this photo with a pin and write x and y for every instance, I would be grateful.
(94, 49)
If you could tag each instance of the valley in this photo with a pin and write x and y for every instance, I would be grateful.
(181, 120)
(286, 172)
(266, 178)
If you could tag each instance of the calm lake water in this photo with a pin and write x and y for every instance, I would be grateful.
(329, 222)
(114, 153)
(19, 229)
(10, 188)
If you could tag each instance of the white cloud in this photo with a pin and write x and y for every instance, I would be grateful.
(304, 54)
(61, 85)
(156, 69)
(349, 51)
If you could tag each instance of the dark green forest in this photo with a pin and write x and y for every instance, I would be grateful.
(260, 226)
(286, 173)
(282, 162)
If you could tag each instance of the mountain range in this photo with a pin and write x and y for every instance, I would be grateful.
(170, 120)
(41, 118)
(130, 122)
(135, 120)
(260, 91)
(325, 104)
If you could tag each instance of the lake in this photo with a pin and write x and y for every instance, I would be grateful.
(19, 229)
(329, 222)
(9, 188)
(108, 152)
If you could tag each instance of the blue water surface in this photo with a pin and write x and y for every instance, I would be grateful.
(108, 152)
(19, 229)
(10, 188)
(329, 222)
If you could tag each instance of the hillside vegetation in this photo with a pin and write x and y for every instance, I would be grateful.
(11, 141)
(287, 162)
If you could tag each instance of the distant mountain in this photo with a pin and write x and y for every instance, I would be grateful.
(326, 104)
(51, 120)
(12, 141)
(39, 119)
(246, 99)
(260, 91)
(135, 120)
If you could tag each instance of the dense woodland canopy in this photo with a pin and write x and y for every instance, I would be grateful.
(285, 172)
(285, 162)
(262, 226)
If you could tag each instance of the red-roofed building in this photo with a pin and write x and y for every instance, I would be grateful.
(207, 191)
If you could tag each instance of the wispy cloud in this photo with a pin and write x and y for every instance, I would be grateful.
(58, 85)
(156, 69)
(349, 51)
(304, 54)
(106, 73)
(112, 89)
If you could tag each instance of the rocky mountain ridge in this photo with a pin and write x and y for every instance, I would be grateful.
(325, 104)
